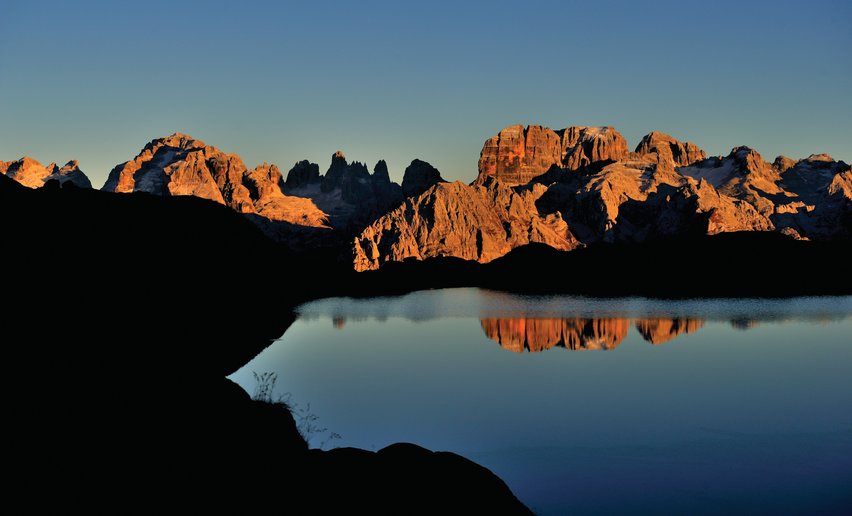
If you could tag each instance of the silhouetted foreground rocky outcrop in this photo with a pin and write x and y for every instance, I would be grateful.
(122, 315)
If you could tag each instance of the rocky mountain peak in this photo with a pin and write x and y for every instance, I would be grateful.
(380, 172)
(335, 173)
(820, 157)
(181, 165)
(348, 193)
(71, 173)
(663, 148)
(181, 141)
(743, 152)
(418, 177)
(31, 173)
(783, 164)
(27, 171)
(582, 146)
(750, 163)
(471, 222)
(516, 155)
(302, 174)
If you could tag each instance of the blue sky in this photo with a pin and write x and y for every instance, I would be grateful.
(285, 81)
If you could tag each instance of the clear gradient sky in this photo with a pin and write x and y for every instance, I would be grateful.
(291, 80)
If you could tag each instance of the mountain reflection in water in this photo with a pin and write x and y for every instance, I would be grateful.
(741, 400)
(520, 334)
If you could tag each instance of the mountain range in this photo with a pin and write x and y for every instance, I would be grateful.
(135, 300)
(566, 188)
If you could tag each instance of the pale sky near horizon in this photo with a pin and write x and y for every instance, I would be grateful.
(285, 81)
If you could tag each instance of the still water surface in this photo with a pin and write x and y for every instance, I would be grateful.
(589, 405)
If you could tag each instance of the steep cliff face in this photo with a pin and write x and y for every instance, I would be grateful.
(479, 223)
(31, 173)
(517, 155)
(663, 148)
(585, 177)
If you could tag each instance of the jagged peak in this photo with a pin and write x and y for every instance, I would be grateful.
(670, 149)
(657, 136)
(177, 140)
(28, 160)
(589, 131)
(592, 130)
(517, 155)
(179, 136)
(819, 157)
(741, 150)
(418, 177)
(303, 173)
(380, 173)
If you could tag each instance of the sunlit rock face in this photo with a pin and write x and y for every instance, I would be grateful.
(30, 173)
(181, 165)
(518, 154)
(473, 222)
(663, 148)
(345, 199)
(807, 199)
(581, 185)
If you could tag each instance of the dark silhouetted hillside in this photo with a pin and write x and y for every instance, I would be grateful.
(123, 313)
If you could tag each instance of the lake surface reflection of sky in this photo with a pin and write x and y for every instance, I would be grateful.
(591, 405)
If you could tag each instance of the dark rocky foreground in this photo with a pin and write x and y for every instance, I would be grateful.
(123, 314)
